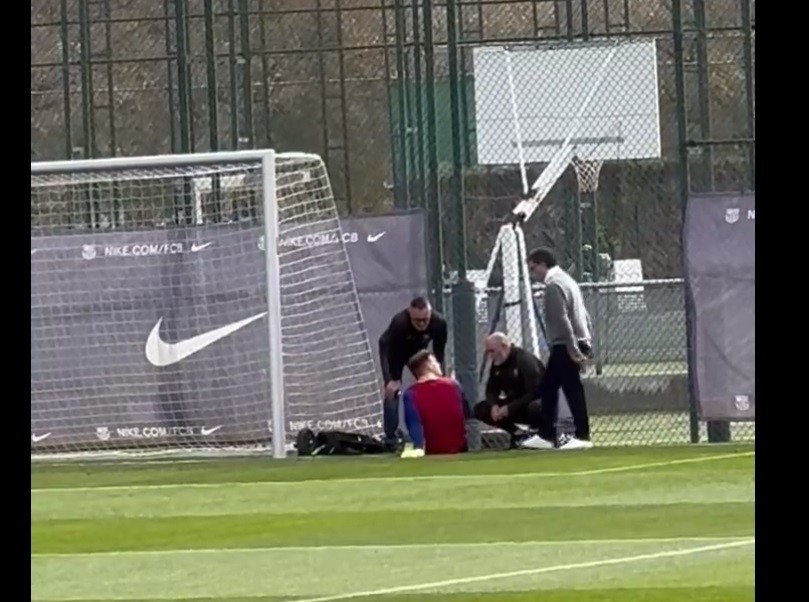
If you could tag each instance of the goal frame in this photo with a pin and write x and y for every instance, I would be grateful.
(266, 158)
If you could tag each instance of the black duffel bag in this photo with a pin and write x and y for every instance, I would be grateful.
(337, 443)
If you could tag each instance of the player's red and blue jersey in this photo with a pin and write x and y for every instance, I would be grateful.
(435, 414)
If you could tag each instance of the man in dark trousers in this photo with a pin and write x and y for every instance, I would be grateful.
(410, 331)
(511, 391)
(568, 330)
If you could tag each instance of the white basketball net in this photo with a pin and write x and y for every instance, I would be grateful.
(587, 172)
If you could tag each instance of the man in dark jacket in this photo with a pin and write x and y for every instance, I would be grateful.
(410, 331)
(511, 391)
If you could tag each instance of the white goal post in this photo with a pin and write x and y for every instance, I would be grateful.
(161, 322)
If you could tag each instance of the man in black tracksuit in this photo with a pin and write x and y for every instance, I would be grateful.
(511, 391)
(410, 331)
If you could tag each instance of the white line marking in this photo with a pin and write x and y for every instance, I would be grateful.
(456, 477)
(583, 473)
(527, 572)
(403, 546)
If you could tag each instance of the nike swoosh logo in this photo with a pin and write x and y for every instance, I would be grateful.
(162, 354)
(33, 251)
(195, 247)
(204, 431)
(375, 237)
(38, 438)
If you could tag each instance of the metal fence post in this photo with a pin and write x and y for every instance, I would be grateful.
(749, 98)
(463, 291)
(683, 182)
(87, 92)
(401, 176)
(433, 197)
(416, 121)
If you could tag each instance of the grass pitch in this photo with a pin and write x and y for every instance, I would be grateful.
(619, 525)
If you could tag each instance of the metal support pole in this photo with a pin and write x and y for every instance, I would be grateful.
(464, 328)
(416, 134)
(398, 121)
(682, 132)
(433, 197)
(749, 73)
(464, 314)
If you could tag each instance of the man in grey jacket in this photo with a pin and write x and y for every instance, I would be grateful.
(568, 329)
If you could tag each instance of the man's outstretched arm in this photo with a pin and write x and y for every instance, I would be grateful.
(389, 356)
(440, 341)
(413, 420)
(384, 354)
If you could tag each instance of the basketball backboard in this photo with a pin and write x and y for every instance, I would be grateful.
(606, 93)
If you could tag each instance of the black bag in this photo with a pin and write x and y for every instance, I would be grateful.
(337, 443)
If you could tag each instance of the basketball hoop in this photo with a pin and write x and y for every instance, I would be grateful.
(587, 172)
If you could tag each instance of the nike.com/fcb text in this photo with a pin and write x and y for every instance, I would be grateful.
(140, 250)
(323, 425)
(318, 240)
(154, 432)
(171, 248)
(321, 239)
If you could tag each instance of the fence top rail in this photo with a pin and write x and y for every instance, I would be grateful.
(162, 161)
(632, 283)
(611, 286)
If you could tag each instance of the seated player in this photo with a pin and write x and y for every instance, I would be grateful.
(511, 391)
(435, 409)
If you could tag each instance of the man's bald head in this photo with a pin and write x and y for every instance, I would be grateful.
(497, 347)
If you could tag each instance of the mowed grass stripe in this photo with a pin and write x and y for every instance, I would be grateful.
(474, 524)
(735, 460)
(698, 486)
(264, 469)
(495, 579)
(408, 546)
(311, 573)
(707, 593)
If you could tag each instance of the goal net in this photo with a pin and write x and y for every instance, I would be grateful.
(153, 326)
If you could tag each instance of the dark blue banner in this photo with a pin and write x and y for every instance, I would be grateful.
(720, 263)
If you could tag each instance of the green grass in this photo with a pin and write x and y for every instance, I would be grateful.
(654, 525)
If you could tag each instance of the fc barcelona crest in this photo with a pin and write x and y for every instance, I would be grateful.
(732, 215)
(742, 402)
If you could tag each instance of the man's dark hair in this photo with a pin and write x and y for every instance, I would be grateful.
(416, 363)
(420, 303)
(542, 255)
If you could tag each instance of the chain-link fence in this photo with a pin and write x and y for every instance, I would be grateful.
(135, 77)
(655, 100)
(456, 106)
(637, 384)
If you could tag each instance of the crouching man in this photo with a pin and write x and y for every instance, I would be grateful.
(511, 391)
(435, 409)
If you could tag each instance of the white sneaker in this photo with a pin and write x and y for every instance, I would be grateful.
(573, 443)
(537, 442)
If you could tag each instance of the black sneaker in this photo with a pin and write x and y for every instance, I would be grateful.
(562, 440)
(517, 437)
(396, 444)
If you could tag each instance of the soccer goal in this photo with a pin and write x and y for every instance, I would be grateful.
(162, 322)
